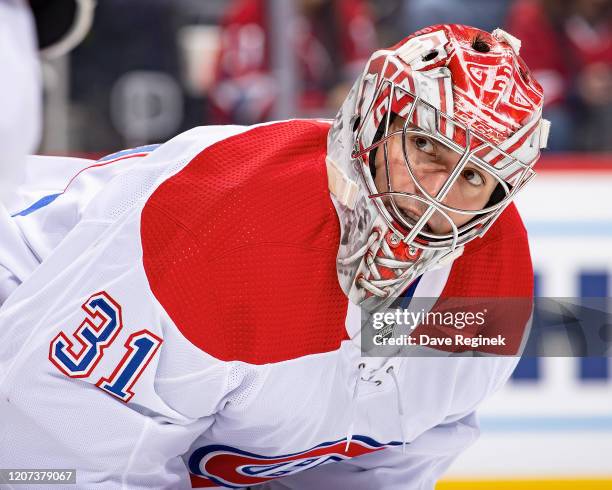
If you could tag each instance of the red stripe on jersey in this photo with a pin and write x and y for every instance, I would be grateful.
(102, 164)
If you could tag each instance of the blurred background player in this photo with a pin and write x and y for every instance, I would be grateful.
(177, 80)
(569, 46)
(330, 40)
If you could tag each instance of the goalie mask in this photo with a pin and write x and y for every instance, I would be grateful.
(431, 145)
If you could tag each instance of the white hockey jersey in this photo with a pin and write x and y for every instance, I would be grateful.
(189, 331)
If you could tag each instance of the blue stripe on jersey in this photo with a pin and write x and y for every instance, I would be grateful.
(41, 203)
(409, 293)
(130, 151)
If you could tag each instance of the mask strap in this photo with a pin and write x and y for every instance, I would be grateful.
(343, 188)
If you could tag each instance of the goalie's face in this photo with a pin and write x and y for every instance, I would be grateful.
(431, 163)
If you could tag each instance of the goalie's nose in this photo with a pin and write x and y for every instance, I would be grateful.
(431, 181)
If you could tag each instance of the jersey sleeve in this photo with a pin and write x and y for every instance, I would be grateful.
(94, 375)
(56, 192)
(8, 283)
(38, 214)
(21, 228)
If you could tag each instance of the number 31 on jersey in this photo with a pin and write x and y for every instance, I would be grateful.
(78, 354)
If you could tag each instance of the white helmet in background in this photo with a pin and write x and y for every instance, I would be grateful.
(58, 25)
(460, 88)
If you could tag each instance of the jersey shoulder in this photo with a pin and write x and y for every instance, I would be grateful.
(239, 247)
(497, 265)
(496, 274)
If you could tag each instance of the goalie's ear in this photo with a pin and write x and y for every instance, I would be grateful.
(61, 24)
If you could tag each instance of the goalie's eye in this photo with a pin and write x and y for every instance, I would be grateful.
(423, 144)
(473, 177)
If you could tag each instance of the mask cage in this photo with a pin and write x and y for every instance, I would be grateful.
(372, 131)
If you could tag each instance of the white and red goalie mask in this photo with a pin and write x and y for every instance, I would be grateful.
(462, 90)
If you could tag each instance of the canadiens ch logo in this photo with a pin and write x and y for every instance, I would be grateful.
(230, 467)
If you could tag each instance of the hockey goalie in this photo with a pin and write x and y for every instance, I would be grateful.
(188, 315)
